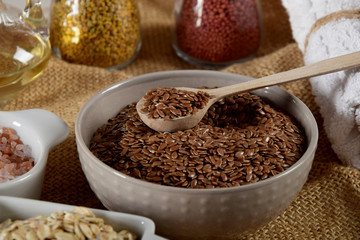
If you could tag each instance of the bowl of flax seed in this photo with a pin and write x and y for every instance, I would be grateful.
(235, 171)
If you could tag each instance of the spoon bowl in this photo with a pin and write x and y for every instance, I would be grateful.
(190, 120)
(180, 123)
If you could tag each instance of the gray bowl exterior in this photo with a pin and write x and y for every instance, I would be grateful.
(191, 213)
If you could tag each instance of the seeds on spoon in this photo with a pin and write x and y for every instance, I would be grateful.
(170, 103)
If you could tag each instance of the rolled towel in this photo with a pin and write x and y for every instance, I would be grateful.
(325, 29)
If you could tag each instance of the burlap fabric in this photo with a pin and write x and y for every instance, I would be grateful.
(326, 208)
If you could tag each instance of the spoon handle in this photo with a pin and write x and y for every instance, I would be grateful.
(320, 68)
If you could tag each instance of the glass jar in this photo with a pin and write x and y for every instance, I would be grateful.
(96, 33)
(24, 46)
(216, 33)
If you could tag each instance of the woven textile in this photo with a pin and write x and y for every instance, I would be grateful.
(326, 208)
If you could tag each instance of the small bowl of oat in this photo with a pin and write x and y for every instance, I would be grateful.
(238, 169)
(46, 220)
(26, 137)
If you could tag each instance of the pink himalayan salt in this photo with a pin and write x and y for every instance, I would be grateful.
(15, 157)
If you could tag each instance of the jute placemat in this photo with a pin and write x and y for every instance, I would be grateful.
(326, 208)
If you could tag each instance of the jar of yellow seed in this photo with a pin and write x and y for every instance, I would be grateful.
(102, 33)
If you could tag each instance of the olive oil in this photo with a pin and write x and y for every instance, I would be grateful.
(23, 57)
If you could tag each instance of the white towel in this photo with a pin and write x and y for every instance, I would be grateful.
(337, 94)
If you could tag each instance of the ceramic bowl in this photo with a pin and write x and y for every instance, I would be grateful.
(21, 208)
(180, 213)
(41, 130)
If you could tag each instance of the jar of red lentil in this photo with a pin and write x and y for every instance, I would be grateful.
(216, 33)
(102, 33)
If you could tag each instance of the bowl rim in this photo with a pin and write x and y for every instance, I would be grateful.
(311, 148)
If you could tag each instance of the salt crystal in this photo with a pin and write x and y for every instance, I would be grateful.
(13, 144)
(5, 176)
(15, 157)
(19, 147)
(27, 150)
(14, 137)
(10, 167)
(19, 153)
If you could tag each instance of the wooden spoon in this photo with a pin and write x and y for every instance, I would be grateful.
(189, 121)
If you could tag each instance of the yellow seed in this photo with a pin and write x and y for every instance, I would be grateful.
(100, 29)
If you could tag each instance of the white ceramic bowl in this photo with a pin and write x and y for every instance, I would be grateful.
(41, 130)
(21, 208)
(179, 213)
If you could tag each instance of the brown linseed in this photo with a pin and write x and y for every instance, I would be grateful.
(169, 103)
(241, 140)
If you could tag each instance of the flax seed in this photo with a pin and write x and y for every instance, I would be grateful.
(241, 140)
(183, 103)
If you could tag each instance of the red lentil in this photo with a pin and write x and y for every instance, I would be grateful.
(218, 31)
